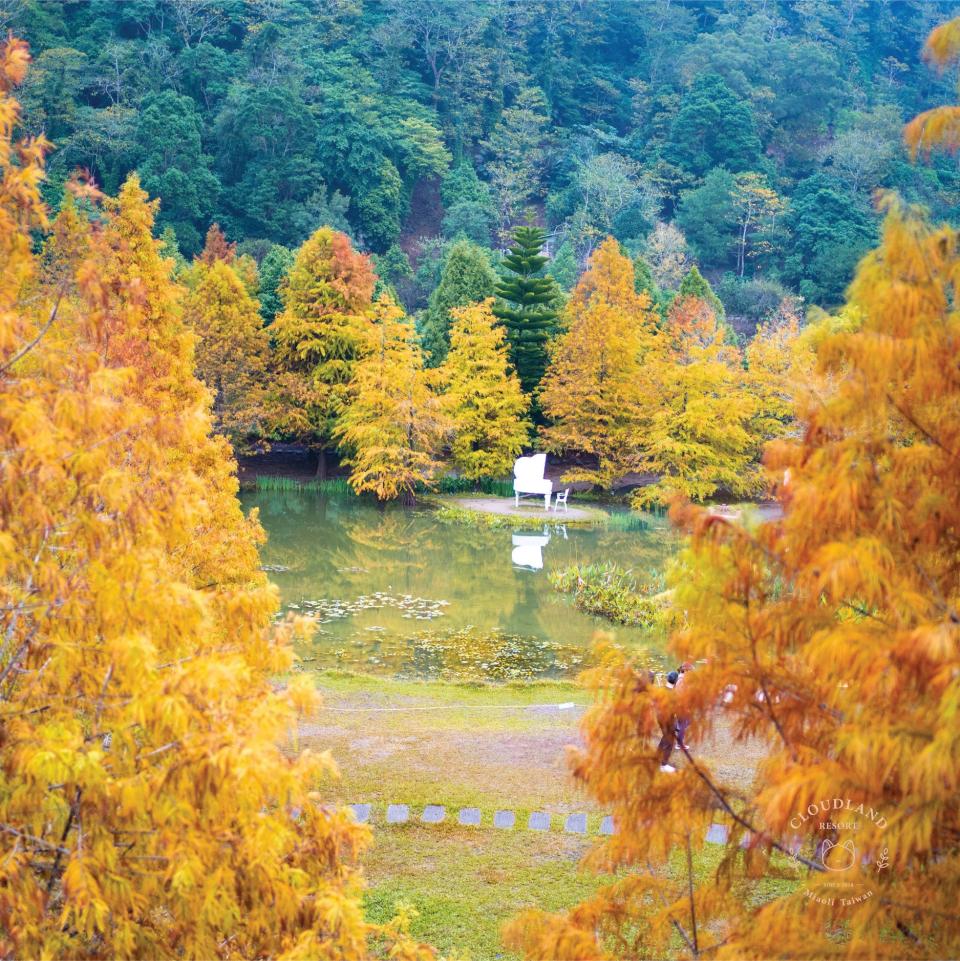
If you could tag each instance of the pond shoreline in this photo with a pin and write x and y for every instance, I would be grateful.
(530, 513)
(299, 463)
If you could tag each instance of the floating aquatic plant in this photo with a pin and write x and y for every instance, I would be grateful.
(327, 609)
(466, 653)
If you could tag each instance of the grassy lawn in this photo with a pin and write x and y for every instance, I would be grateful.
(460, 745)
(466, 744)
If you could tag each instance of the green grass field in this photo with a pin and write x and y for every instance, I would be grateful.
(464, 744)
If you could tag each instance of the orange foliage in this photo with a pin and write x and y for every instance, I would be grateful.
(146, 808)
(829, 641)
(216, 247)
(595, 391)
(939, 127)
(691, 321)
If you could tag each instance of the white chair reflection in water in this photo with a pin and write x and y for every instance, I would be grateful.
(528, 550)
(528, 479)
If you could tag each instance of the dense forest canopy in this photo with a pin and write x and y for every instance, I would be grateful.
(746, 136)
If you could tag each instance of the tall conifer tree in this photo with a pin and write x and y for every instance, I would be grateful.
(694, 284)
(467, 278)
(319, 336)
(232, 349)
(482, 396)
(393, 426)
(527, 306)
(596, 391)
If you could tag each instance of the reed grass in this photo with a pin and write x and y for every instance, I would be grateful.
(611, 591)
(340, 486)
(628, 521)
(494, 486)
(332, 486)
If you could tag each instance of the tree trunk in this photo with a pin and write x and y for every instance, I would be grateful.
(321, 464)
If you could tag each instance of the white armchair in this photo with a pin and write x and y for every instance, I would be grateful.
(528, 479)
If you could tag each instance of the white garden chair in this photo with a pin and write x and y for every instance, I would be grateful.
(561, 500)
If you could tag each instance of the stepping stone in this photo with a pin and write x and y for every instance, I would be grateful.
(361, 812)
(470, 816)
(576, 824)
(397, 813)
(504, 819)
(433, 814)
(606, 825)
(539, 821)
(717, 834)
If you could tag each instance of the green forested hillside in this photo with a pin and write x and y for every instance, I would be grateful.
(746, 136)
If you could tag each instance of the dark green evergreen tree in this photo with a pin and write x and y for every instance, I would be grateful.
(393, 269)
(563, 267)
(713, 128)
(467, 277)
(274, 267)
(707, 218)
(645, 282)
(468, 205)
(829, 231)
(694, 284)
(527, 305)
(174, 167)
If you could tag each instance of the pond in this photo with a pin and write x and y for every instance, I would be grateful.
(403, 593)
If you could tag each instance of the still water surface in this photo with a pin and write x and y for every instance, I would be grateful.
(400, 592)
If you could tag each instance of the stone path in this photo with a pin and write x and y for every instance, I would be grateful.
(507, 820)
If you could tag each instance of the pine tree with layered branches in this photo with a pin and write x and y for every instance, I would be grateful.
(527, 305)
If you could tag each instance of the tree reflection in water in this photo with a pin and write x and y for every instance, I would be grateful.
(502, 619)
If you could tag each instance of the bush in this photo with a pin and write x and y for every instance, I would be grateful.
(610, 591)
(750, 301)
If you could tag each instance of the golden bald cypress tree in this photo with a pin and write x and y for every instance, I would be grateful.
(232, 350)
(146, 331)
(697, 436)
(146, 808)
(482, 396)
(596, 391)
(319, 336)
(828, 639)
(392, 425)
